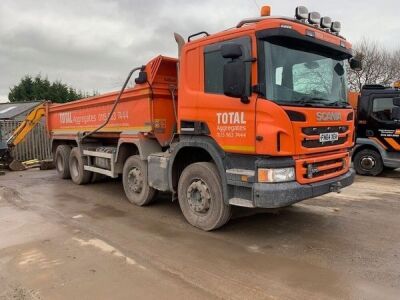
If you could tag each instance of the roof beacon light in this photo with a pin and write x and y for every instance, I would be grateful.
(301, 13)
(326, 22)
(265, 11)
(336, 26)
(314, 18)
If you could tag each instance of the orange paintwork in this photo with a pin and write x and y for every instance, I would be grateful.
(393, 143)
(141, 109)
(353, 99)
(338, 163)
(376, 140)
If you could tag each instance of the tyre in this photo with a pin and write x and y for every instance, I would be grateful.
(76, 163)
(61, 161)
(134, 179)
(368, 162)
(201, 198)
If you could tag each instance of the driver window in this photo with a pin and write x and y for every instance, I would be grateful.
(383, 109)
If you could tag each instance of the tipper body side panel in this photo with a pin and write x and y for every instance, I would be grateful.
(145, 108)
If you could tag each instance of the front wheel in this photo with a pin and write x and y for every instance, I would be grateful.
(134, 179)
(368, 162)
(201, 198)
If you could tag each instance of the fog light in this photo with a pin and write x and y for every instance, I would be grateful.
(276, 175)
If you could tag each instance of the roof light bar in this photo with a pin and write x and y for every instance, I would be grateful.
(326, 22)
(336, 27)
(301, 13)
(314, 18)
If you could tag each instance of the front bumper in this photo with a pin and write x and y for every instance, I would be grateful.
(275, 195)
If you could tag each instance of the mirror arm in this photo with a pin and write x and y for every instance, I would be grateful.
(245, 99)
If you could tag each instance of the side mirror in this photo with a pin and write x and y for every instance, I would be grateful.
(235, 79)
(231, 50)
(142, 77)
(355, 64)
(396, 101)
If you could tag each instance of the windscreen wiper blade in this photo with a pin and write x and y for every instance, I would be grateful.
(311, 100)
(323, 101)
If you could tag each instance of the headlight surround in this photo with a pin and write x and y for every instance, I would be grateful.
(276, 175)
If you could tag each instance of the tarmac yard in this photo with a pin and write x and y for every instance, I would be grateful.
(62, 241)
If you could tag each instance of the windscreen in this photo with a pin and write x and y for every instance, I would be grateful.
(303, 75)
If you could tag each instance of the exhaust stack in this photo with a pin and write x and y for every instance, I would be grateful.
(180, 41)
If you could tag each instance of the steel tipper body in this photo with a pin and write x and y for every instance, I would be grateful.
(254, 116)
(378, 129)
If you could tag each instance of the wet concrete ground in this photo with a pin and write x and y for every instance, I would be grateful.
(62, 241)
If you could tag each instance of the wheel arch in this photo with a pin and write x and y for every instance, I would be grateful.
(362, 144)
(142, 146)
(136, 146)
(196, 149)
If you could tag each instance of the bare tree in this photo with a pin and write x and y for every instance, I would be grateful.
(380, 65)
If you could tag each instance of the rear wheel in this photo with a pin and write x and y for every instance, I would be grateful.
(201, 198)
(76, 167)
(134, 179)
(368, 162)
(61, 161)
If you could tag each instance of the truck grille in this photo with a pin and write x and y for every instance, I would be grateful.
(310, 136)
(321, 168)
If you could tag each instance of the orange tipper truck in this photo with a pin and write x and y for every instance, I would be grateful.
(253, 116)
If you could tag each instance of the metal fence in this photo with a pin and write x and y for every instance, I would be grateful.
(36, 144)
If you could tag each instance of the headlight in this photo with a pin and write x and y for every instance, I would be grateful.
(276, 175)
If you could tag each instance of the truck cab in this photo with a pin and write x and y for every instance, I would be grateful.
(378, 129)
(272, 94)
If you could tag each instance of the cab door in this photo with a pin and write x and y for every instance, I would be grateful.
(382, 122)
(230, 121)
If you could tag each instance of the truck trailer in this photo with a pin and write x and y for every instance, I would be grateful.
(377, 110)
(253, 116)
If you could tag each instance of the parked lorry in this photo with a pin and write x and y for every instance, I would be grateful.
(378, 129)
(254, 116)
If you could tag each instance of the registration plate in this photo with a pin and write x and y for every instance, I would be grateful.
(328, 137)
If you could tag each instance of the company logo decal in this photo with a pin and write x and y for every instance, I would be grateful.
(328, 116)
(231, 124)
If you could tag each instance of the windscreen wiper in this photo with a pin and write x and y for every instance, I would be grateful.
(311, 100)
(323, 101)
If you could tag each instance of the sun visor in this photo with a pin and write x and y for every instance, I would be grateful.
(293, 39)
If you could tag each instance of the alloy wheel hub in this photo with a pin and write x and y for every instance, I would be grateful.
(368, 162)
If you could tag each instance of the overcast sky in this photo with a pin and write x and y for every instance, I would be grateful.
(92, 44)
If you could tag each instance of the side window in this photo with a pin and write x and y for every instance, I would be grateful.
(214, 65)
(213, 72)
(382, 109)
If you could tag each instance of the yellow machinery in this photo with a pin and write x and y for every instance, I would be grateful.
(31, 120)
